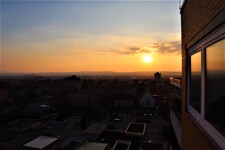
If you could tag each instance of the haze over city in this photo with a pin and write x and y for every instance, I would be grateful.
(74, 36)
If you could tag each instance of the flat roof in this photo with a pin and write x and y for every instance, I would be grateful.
(41, 142)
(137, 128)
(93, 146)
(23, 124)
(96, 128)
(154, 146)
(122, 145)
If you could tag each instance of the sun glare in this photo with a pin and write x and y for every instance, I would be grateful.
(147, 58)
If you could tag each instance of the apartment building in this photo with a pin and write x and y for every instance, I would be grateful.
(203, 74)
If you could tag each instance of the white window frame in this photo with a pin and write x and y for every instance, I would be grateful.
(181, 3)
(201, 46)
(194, 112)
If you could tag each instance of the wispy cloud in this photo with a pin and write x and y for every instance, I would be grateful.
(172, 47)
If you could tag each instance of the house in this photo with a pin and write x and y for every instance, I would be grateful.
(203, 74)
(147, 101)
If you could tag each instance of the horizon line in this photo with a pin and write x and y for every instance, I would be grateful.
(83, 71)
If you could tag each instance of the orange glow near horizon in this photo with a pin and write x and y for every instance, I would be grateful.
(90, 62)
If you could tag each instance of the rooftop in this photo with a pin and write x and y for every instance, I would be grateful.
(136, 129)
(25, 124)
(41, 142)
(93, 146)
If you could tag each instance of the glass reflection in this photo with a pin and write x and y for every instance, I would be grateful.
(215, 85)
(195, 84)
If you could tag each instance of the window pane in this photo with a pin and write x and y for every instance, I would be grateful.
(215, 85)
(195, 84)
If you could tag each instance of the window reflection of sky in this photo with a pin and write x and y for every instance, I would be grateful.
(215, 56)
(195, 85)
(215, 85)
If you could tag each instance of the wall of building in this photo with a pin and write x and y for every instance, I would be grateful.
(199, 18)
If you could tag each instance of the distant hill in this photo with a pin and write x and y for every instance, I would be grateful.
(95, 73)
(143, 73)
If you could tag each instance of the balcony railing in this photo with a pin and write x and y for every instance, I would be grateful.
(176, 123)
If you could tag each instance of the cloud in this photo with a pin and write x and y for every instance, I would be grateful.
(128, 51)
(172, 47)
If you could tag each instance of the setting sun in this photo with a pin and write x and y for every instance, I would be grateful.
(147, 58)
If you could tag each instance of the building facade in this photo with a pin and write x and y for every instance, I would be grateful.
(203, 74)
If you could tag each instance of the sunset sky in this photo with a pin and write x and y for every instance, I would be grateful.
(72, 36)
